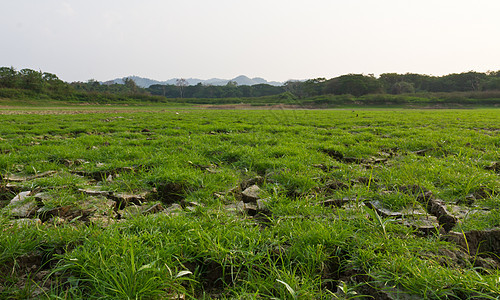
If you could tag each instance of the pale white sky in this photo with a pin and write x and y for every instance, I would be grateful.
(274, 39)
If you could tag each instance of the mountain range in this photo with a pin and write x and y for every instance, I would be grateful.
(240, 80)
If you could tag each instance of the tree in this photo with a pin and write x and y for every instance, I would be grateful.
(354, 84)
(54, 84)
(8, 77)
(402, 87)
(388, 80)
(130, 85)
(492, 84)
(295, 87)
(31, 80)
(181, 84)
(314, 87)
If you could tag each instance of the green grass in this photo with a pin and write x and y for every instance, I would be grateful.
(297, 249)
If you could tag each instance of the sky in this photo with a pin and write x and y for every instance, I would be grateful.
(275, 39)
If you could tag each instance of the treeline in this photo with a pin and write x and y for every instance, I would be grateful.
(31, 80)
(28, 84)
(395, 84)
(351, 89)
(350, 84)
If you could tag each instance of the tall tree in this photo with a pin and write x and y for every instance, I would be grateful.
(130, 85)
(8, 77)
(181, 84)
(31, 80)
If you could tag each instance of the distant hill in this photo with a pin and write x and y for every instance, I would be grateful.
(240, 80)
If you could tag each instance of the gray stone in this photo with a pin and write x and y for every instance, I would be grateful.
(262, 204)
(251, 194)
(93, 192)
(22, 205)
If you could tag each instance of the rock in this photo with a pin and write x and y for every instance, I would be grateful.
(483, 193)
(461, 212)
(22, 205)
(238, 207)
(383, 212)
(364, 180)
(103, 221)
(494, 166)
(433, 206)
(173, 209)
(353, 160)
(144, 209)
(325, 168)
(26, 222)
(55, 221)
(250, 209)
(15, 178)
(93, 192)
(156, 208)
(335, 185)
(251, 194)
(10, 188)
(194, 203)
(211, 168)
(262, 204)
(60, 212)
(100, 204)
(129, 211)
(335, 202)
(257, 180)
(445, 219)
(424, 225)
(411, 189)
(423, 151)
(123, 200)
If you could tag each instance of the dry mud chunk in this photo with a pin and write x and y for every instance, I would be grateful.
(445, 219)
(434, 207)
(477, 241)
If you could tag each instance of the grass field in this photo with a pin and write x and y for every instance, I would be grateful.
(152, 203)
